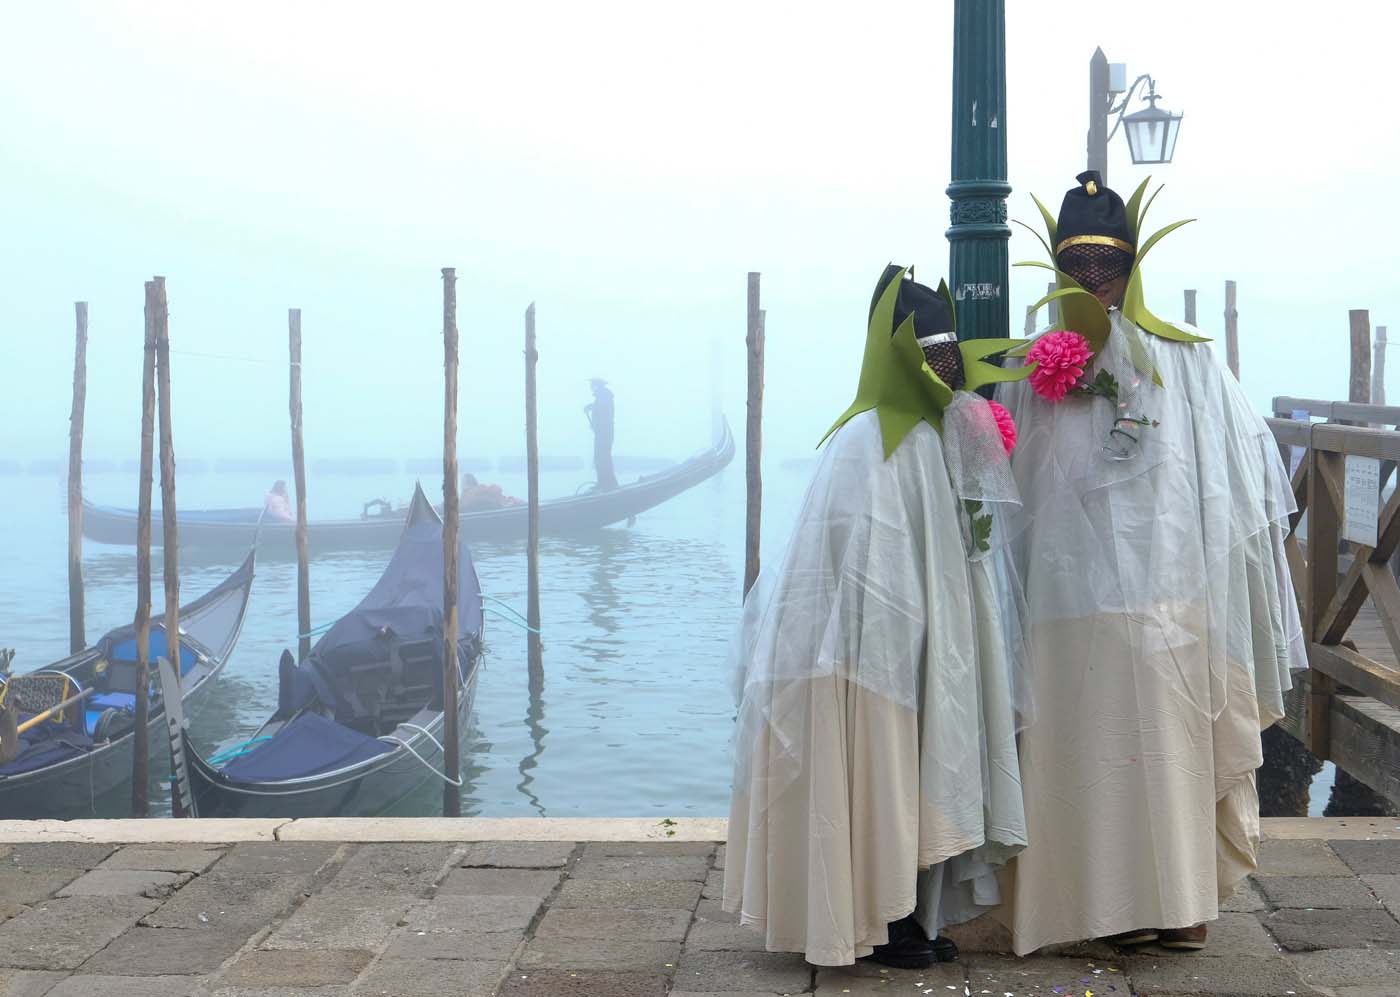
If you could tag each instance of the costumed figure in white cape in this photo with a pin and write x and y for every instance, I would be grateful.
(1161, 618)
(876, 787)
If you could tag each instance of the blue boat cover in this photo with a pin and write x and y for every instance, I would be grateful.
(125, 650)
(309, 745)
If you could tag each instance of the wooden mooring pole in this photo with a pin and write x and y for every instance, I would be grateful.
(754, 442)
(140, 758)
(1190, 296)
(170, 541)
(1359, 389)
(299, 474)
(532, 478)
(1232, 330)
(77, 638)
(1378, 368)
(451, 734)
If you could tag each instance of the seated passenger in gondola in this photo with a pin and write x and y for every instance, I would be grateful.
(476, 497)
(278, 505)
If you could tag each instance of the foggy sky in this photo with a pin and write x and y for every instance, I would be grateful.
(623, 165)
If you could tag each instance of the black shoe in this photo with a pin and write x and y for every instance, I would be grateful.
(909, 948)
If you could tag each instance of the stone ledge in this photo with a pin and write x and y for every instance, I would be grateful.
(166, 830)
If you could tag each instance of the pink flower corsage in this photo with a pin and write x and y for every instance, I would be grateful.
(1005, 424)
(1060, 359)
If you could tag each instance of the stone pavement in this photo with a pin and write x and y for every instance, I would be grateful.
(327, 918)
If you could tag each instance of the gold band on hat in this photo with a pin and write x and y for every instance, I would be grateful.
(1096, 240)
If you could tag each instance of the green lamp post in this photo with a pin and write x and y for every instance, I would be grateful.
(978, 268)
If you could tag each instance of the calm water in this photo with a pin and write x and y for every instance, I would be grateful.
(636, 712)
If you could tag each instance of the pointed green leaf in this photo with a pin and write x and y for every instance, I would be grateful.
(1035, 263)
(1133, 208)
(1048, 251)
(978, 349)
(1049, 221)
(1142, 215)
(1157, 237)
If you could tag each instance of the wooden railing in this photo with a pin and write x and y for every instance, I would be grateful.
(1348, 706)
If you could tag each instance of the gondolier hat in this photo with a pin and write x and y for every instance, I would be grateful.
(1093, 241)
(931, 310)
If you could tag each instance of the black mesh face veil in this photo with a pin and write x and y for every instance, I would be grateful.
(1094, 265)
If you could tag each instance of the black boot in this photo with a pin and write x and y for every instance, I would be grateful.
(909, 948)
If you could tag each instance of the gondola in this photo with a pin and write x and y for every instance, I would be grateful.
(591, 510)
(68, 763)
(358, 725)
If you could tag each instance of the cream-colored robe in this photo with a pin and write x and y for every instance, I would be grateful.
(1163, 626)
(876, 734)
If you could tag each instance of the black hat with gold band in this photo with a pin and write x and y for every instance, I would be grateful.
(1094, 241)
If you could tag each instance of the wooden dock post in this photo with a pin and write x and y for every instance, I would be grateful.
(754, 448)
(1359, 389)
(451, 734)
(1190, 296)
(1378, 368)
(299, 474)
(140, 758)
(1232, 330)
(77, 638)
(532, 477)
(170, 540)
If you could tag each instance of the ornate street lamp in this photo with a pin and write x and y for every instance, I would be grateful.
(1152, 131)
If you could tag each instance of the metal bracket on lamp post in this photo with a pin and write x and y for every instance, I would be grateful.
(1122, 108)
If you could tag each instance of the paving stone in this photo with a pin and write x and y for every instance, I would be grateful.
(1315, 892)
(26, 982)
(672, 895)
(647, 849)
(47, 856)
(1370, 857)
(605, 954)
(711, 911)
(500, 882)
(719, 857)
(217, 902)
(164, 952)
(281, 992)
(296, 969)
(473, 913)
(173, 859)
(281, 858)
(1231, 935)
(19, 886)
(714, 886)
(556, 983)
(1002, 974)
(340, 921)
(125, 883)
(637, 925)
(477, 946)
(654, 867)
(125, 986)
(392, 868)
(982, 934)
(519, 854)
(1180, 974)
(867, 980)
(63, 934)
(712, 937)
(1387, 889)
(1246, 900)
(1348, 967)
(1301, 857)
(1311, 930)
(431, 978)
(726, 993)
(775, 972)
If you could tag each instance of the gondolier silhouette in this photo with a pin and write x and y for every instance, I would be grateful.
(600, 417)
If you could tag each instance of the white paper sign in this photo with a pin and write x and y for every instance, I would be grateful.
(1363, 499)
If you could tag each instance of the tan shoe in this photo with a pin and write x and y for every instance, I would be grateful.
(1183, 939)
(1127, 939)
